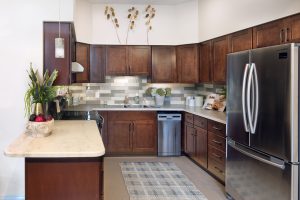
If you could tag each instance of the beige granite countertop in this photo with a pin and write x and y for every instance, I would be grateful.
(70, 138)
(209, 114)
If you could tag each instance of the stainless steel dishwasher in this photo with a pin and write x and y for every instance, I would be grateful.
(169, 134)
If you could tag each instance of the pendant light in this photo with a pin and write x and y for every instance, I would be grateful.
(59, 42)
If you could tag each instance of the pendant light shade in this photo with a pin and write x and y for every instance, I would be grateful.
(59, 47)
(59, 42)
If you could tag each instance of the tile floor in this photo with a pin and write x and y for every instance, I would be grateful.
(115, 189)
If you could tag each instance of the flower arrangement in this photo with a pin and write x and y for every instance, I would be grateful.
(159, 94)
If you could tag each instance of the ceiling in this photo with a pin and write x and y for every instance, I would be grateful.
(142, 2)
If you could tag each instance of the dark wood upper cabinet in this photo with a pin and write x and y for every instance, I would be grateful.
(97, 63)
(281, 31)
(187, 63)
(219, 56)
(63, 65)
(128, 60)
(292, 28)
(83, 58)
(268, 34)
(164, 64)
(116, 60)
(205, 62)
(240, 41)
(139, 60)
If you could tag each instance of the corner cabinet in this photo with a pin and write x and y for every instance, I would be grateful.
(63, 65)
(128, 60)
(164, 64)
(97, 63)
(187, 62)
(131, 133)
(219, 59)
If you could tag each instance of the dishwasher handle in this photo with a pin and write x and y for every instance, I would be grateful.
(171, 117)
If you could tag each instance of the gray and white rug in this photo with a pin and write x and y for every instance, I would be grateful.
(158, 181)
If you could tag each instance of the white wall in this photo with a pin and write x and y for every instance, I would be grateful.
(173, 24)
(21, 43)
(83, 21)
(219, 17)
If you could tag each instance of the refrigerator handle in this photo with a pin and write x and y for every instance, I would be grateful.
(254, 156)
(248, 108)
(244, 97)
(256, 98)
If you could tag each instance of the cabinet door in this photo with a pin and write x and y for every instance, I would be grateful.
(97, 64)
(119, 137)
(144, 138)
(116, 63)
(187, 63)
(220, 51)
(241, 40)
(205, 52)
(292, 29)
(268, 34)
(139, 60)
(201, 146)
(189, 148)
(83, 58)
(164, 64)
(63, 65)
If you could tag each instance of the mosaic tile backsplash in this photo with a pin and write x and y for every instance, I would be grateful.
(114, 90)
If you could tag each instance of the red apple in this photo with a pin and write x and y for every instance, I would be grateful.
(40, 118)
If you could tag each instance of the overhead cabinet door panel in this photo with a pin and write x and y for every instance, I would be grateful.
(116, 60)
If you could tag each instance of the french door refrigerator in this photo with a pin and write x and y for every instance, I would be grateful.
(262, 124)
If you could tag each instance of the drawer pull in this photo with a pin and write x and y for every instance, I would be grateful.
(217, 156)
(217, 142)
(220, 171)
(216, 128)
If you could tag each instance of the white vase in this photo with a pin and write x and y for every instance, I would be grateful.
(159, 100)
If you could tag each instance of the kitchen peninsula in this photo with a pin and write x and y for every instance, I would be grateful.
(65, 165)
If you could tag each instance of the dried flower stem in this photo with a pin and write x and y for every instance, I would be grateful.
(110, 14)
(132, 16)
(150, 13)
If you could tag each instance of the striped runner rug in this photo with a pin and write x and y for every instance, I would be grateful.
(158, 181)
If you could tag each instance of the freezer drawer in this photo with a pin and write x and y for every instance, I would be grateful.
(253, 176)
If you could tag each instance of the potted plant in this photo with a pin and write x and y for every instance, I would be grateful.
(161, 93)
(40, 92)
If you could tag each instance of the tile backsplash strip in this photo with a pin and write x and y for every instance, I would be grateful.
(115, 88)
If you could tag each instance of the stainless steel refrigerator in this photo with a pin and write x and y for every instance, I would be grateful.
(262, 161)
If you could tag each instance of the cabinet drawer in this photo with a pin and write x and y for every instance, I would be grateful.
(200, 122)
(217, 128)
(216, 168)
(216, 155)
(189, 118)
(216, 141)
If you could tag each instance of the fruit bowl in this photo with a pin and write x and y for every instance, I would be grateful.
(39, 129)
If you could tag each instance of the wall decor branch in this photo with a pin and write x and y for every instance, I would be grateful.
(132, 16)
(150, 14)
(111, 15)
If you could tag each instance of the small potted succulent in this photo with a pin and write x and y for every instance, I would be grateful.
(39, 93)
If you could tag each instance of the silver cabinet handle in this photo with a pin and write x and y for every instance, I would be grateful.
(216, 128)
(249, 154)
(244, 97)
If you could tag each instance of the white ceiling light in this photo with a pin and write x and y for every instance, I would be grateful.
(59, 42)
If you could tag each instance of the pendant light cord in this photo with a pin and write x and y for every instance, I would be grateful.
(59, 19)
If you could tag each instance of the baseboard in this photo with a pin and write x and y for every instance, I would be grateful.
(12, 198)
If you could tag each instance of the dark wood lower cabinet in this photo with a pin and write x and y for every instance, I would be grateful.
(119, 137)
(64, 178)
(189, 147)
(201, 146)
(131, 133)
(144, 138)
